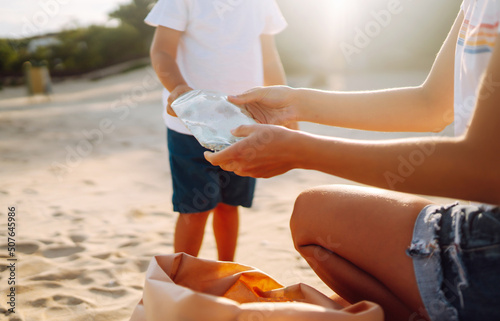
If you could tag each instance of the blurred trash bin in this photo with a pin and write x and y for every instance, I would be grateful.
(37, 78)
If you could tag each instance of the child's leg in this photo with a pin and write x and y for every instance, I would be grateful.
(189, 232)
(355, 239)
(225, 224)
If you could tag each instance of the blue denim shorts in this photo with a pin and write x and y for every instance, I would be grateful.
(456, 257)
(198, 185)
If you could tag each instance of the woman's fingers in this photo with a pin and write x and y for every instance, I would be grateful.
(252, 95)
(233, 157)
(222, 159)
(219, 159)
(243, 130)
(262, 153)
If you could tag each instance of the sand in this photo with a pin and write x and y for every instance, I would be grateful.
(87, 172)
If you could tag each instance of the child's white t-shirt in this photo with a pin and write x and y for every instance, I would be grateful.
(473, 53)
(220, 48)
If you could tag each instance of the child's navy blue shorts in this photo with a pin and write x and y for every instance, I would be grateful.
(198, 185)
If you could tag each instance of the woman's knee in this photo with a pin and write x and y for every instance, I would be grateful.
(298, 215)
(325, 205)
(306, 213)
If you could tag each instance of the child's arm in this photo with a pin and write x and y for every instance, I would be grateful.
(274, 74)
(163, 54)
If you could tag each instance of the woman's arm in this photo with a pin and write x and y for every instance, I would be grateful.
(466, 167)
(428, 107)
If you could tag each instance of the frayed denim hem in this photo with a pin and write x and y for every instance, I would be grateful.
(426, 254)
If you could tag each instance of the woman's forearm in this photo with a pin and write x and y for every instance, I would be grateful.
(402, 109)
(441, 166)
(425, 108)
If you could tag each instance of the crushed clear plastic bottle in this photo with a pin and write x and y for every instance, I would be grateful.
(210, 117)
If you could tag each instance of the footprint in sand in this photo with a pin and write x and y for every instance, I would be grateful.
(57, 277)
(85, 280)
(142, 264)
(102, 256)
(130, 244)
(27, 247)
(77, 238)
(12, 316)
(88, 182)
(50, 285)
(24, 247)
(61, 251)
(163, 214)
(165, 234)
(67, 300)
(135, 213)
(30, 191)
(40, 303)
(110, 293)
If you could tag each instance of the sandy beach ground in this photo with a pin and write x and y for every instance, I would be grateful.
(87, 172)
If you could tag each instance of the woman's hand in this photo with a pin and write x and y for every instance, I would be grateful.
(266, 151)
(179, 90)
(274, 105)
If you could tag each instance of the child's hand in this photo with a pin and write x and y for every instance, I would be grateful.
(179, 90)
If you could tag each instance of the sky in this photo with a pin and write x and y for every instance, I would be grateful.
(25, 18)
(316, 32)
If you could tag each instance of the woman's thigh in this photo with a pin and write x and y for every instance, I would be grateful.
(370, 228)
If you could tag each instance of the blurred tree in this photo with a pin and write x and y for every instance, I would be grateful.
(7, 55)
(13, 54)
(133, 14)
(86, 49)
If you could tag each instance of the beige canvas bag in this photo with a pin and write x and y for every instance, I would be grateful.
(180, 287)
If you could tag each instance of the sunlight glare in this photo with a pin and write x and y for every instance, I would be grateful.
(346, 10)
